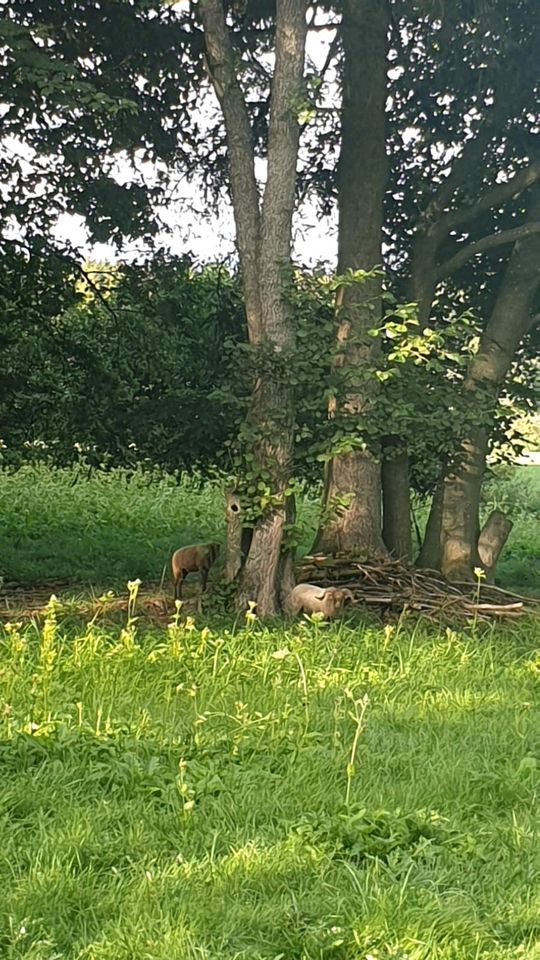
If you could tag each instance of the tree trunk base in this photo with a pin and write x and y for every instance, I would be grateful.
(352, 498)
(267, 576)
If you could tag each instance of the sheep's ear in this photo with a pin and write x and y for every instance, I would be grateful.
(321, 595)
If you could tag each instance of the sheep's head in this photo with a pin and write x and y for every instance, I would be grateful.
(340, 596)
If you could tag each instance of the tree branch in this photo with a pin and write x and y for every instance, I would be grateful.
(332, 50)
(244, 192)
(468, 158)
(486, 243)
(494, 197)
(318, 27)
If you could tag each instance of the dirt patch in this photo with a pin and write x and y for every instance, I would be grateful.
(20, 601)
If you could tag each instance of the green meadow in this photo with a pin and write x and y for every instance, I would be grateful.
(218, 788)
(104, 528)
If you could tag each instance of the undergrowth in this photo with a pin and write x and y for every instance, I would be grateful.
(323, 792)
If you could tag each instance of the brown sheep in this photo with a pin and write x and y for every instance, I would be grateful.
(193, 559)
(311, 599)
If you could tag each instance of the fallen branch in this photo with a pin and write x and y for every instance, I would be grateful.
(392, 585)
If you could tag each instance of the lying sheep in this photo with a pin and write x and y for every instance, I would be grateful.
(193, 559)
(308, 598)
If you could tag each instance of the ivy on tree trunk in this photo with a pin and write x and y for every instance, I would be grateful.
(264, 245)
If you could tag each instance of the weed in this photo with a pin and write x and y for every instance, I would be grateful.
(181, 795)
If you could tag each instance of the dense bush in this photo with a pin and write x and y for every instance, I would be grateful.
(128, 367)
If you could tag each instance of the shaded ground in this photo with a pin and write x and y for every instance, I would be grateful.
(154, 603)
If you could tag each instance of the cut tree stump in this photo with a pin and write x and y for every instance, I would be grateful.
(492, 539)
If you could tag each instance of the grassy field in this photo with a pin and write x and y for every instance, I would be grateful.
(329, 792)
(117, 526)
(220, 790)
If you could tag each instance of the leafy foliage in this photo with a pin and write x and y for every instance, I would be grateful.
(85, 83)
(129, 371)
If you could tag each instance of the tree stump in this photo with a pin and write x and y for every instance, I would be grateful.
(492, 539)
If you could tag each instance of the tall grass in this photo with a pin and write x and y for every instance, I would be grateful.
(106, 526)
(320, 792)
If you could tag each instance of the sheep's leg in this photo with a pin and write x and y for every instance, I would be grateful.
(178, 586)
(204, 578)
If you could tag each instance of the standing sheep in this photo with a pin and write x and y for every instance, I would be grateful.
(311, 599)
(198, 558)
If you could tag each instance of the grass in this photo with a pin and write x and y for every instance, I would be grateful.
(111, 527)
(219, 790)
(344, 791)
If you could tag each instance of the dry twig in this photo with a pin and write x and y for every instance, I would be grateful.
(392, 585)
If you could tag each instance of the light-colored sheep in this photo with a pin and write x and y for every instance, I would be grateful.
(310, 599)
(197, 558)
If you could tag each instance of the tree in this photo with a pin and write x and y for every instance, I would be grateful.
(464, 89)
(84, 84)
(471, 230)
(457, 543)
(353, 475)
(264, 245)
(120, 366)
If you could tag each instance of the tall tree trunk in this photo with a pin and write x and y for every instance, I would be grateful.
(460, 509)
(396, 489)
(509, 322)
(264, 242)
(353, 478)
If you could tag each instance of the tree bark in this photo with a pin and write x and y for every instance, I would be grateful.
(221, 61)
(509, 322)
(429, 557)
(234, 556)
(491, 541)
(353, 478)
(460, 509)
(396, 532)
(264, 243)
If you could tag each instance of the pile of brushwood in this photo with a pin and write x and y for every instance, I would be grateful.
(394, 587)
